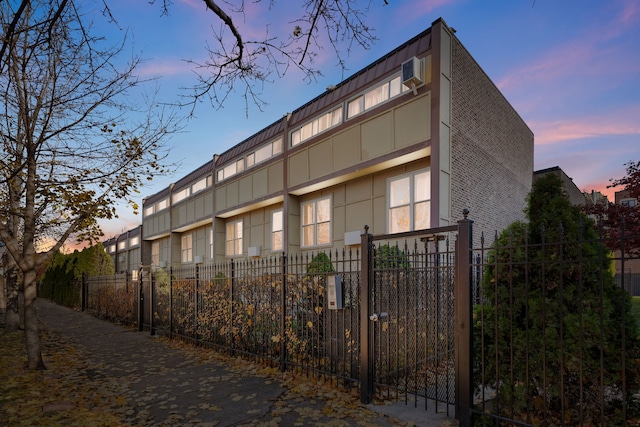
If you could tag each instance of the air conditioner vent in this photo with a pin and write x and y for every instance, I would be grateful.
(412, 73)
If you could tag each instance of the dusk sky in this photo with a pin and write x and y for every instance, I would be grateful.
(570, 68)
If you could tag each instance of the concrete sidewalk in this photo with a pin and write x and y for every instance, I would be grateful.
(169, 385)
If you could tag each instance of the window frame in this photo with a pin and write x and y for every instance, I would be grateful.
(315, 224)
(279, 231)
(388, 93)
(412, 199)
(304, 132)
(237, 240)
(186, 248)
(155, 252)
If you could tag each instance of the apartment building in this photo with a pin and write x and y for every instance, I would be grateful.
(404, 144)
(126, 251)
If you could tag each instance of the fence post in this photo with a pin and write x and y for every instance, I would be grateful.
(366, 331)
(231, 308)
(283, 313)
(463, 321)
(83, 292)
(152, 292)
(195, 308)
(171, 302)
(140, 292)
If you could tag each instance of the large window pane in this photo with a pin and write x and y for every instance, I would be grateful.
(324, 233)
(421, 216)
(296, 137)
(316, 222)
(233, 242)
(409, 202)
(422, 186)
(376, 96)
(263, 153)
(336, 116)
(399, 219)
(308, 235)
(277, 146)
(400, 192)
(394, 87)
(355, 107)
(324, 210)
(308, 216)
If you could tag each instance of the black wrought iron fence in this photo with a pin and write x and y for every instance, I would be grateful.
(555, 342)
(111, 297)
(630, 282)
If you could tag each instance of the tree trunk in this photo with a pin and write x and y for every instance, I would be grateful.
(12, 315)
(34, 354)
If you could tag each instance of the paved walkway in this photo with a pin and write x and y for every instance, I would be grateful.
(169, 385)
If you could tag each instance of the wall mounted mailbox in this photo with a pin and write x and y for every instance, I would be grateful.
(334, 292)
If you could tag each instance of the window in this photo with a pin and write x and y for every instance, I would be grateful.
(181, 195)
(162, 204)
(316, 222)
(260, 155)
(134, 241)
(122, 245)
(157, 207)
(112, 248)
(375, 96)
(211, 248)
(316, 126)
(276, 230)
(629, 202)
(155, 252)
(199, 186)
(187, 248)
(409, 202)
(234, 238)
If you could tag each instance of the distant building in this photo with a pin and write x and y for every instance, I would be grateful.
(576, 196)
(595, 198)
(126, 251)
(623, 198)
(631, 268)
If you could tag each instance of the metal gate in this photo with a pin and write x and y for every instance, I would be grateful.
(416, 344)
(413, 319)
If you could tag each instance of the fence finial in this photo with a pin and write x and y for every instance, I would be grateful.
(366, 229)
(465, 213)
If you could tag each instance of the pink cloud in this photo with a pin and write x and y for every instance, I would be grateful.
(562, 61)
(629, 17)
(614, 123)
(416, 10)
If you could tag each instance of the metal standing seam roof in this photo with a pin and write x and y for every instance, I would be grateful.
(385, 65)
(201, 171)
(376, 70)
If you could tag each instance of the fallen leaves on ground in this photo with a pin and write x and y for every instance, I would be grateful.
(57, 396)
(79, 389)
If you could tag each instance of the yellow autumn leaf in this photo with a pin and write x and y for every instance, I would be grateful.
(310, 324)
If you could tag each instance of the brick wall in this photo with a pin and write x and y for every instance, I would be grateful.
(492, 149)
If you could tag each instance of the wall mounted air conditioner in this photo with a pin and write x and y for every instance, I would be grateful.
(254, 251)
(197, 259)
(412, 73)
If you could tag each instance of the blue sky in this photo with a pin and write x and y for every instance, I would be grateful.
(570, 68)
